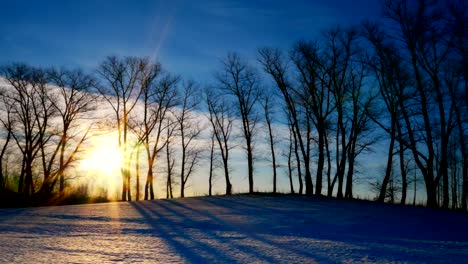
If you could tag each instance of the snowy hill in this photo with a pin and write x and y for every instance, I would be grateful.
(237, 229)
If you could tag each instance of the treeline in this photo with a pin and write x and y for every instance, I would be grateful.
(401, 83)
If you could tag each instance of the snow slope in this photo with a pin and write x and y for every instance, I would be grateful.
(237, 229)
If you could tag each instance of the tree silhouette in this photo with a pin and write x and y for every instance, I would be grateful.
(29, 102)
(189, 131)
(75, 101)
(240, 80)
(267, 102)
(121, 89)
(221, 121)
(275, 65)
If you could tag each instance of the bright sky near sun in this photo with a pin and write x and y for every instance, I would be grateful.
(188, 37)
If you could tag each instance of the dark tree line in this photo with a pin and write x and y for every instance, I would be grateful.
(324, 105)
(42, 126)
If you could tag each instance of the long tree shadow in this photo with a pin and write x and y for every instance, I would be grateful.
(245, 229)
(359, 230)
(230, 232)
(197, 241)
(205, 232)
(173, 234)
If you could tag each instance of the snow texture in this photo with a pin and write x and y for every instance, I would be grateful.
(237, 229)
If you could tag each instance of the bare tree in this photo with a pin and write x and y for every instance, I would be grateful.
(385, 63)
(8, 124)
(28, 98)
(221, 121)
(423, 40)
(189, 130)
(214, 164)
(163, 100)
(158, 97)
(240, 80)
(457, 26)
(275, 65)
(267, 105)
(315, 95)
(340, 49)
(74, 103)
(360, 137)
(290, 159)
(294, 145)
(158, 92)
(121, 89)
(170, 159)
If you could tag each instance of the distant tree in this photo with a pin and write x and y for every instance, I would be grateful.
(294, 145)
(121, 89)
(213, 163)
(189, 130)
(423, 39)
(276, 66)
(74, 104)
(163, 98)
(290, 160)
(387, 67)
(240, 80)
(143, 125)
(158, 96)
(170, 159)
(340, 48)
(267, 102)
(221, 121)
(458, 31)
(7, 123)
(315, 95)
(28, 99)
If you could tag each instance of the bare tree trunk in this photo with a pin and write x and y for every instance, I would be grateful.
(273, 158)
(415, 180)
(329, 181)
(137, 172)
(210, 178)
(3, 179)
(454, 184)
(228, 181)
(388, 170)
(298, 162)
(290, 169)
(321, 160)
(221, 122)
(239, 80)
(401, 153)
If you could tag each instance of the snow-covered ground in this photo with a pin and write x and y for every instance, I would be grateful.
(237, 229)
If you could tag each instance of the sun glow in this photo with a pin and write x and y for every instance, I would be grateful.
(101, 163)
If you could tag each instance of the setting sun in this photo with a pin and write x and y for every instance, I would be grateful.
(102, 162)
(105, 158)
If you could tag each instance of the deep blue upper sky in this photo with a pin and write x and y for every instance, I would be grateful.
(188, 37)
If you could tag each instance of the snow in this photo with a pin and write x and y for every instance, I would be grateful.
(236, 229)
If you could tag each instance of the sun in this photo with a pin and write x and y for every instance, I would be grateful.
(103, 158)
(101, 162)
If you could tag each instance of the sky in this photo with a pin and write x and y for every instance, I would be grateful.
(187, 37)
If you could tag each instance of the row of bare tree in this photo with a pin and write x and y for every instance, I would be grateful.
(41, 127)
(401, 83)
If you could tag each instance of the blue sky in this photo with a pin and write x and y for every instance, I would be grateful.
(188, 37)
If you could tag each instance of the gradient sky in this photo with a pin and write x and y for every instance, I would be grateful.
(188, 37)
